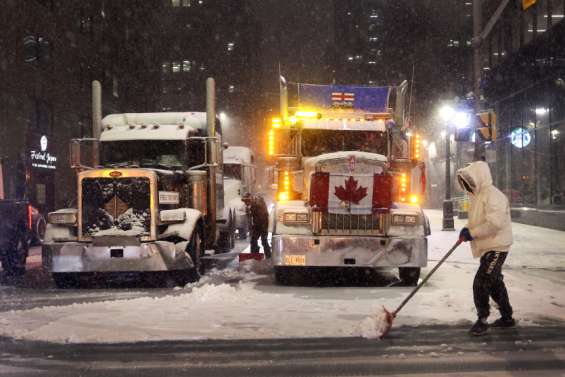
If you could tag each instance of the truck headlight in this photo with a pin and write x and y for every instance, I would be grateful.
(296, 218)
(404, 219)
(62, 218)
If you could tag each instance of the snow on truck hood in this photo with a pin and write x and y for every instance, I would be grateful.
(151, 126)
(312, 161)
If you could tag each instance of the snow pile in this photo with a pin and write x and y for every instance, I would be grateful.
(251, 268)
(377, 325)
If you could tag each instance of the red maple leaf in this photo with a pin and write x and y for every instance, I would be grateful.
(351, 193)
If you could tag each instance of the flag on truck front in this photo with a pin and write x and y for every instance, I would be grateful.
(365, 98)
(350, 194)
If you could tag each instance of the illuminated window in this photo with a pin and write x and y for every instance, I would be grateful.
(230, 46)
(186, 65)
(175, 3)
(166, 67)
(176, 67)
(186, 3)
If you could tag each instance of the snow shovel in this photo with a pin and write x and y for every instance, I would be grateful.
(386, 322)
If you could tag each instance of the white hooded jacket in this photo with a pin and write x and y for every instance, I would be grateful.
(489, 222)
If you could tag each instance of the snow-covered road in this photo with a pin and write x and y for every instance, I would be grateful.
(244, 303)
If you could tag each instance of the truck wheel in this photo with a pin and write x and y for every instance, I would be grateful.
(195, 250)
(409, 275)
(66, 280)
(232, 231)
(40, 227)
(242, 233)
(282, 275)
(14, 260)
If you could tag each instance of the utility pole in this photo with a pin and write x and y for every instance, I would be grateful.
(448, 222)
(477, 30)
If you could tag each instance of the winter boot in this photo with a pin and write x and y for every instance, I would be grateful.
(479, 328)
(504, 323)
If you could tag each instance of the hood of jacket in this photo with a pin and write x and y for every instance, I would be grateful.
(476, 175)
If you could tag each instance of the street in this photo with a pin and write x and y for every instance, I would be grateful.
(422, 351)
(249, 325)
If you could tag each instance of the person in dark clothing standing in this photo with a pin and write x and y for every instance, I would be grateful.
(490, 232)
(259, 218)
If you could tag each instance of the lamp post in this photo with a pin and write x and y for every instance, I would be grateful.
(447, 113)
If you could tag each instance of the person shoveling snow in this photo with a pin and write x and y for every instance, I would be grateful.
(490, 231)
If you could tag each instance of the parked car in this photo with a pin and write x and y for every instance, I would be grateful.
(16, 223)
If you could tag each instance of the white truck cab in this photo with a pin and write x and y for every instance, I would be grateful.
(239, 178)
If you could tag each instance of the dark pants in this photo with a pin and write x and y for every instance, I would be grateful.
(489, 282)
(255, 234)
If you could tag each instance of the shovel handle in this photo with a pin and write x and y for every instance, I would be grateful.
(428, 276)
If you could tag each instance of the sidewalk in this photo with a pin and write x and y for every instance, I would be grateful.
(534, 247)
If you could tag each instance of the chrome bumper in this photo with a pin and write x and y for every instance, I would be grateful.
(84, 257)
(342, 251)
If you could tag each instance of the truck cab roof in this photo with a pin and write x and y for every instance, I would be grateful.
(238, 155)
(152, 126)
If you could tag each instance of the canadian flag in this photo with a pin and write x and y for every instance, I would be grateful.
(350, 194)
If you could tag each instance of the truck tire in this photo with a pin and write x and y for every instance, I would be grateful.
(66, 280)
(195, 249)
(282, 275)
(14, 260)
(409, 276)
(232, 230)
(39, 234)
(226, 240)
(242, 233)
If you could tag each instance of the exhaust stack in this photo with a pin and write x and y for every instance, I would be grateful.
(211, 123)
(96, 109)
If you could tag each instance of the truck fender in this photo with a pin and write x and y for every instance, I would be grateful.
(427, 227)
(183, 229)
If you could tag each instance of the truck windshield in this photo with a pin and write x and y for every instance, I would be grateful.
(316, 142)
(232, 171)
(165, 154)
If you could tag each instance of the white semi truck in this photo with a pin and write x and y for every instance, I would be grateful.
(349, 183)
(149, 201)
(239, 178)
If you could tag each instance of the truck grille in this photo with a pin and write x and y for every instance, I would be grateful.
(116, 205)
(347, 224)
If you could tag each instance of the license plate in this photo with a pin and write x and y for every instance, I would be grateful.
(295, 260)
(116, 253)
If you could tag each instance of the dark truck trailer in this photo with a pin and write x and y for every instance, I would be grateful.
(15, 235)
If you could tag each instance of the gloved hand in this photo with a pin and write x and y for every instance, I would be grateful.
(465, 235)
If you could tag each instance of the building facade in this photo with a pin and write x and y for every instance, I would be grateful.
(50, 51)
(524, 71)
(149, 55)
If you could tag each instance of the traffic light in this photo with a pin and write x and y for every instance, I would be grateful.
(487, 125)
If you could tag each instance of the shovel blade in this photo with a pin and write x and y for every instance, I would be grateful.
(386, 323)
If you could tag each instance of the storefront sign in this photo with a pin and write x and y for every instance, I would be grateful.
(520, 137)
(42, 158)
